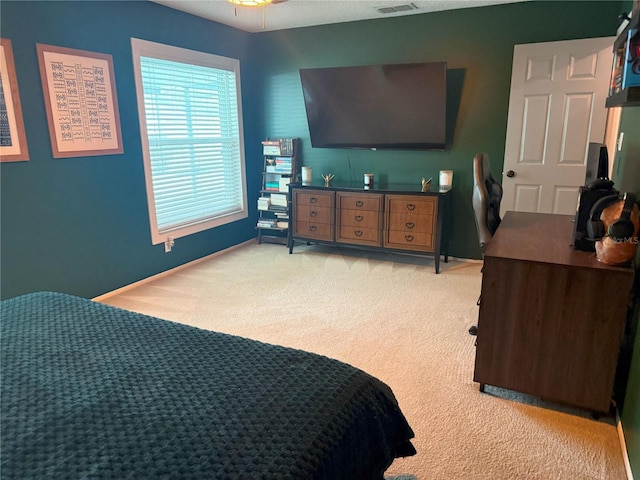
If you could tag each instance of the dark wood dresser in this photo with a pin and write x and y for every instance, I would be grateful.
(397, 218)
(551, 318)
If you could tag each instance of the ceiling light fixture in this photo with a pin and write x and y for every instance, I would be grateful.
(251, 3)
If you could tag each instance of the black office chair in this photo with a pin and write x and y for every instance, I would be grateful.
(487, 194)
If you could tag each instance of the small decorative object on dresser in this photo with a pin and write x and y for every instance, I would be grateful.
(307, 175)
(446, 179)
(426, 184)
(368, 180)
(327, 179)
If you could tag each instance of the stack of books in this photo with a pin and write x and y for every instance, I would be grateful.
(279, 165)
(272, 185)
(283, 184)
(267, 223)
(264, 203)
(271, 147)
(279, 200)
(283, 146)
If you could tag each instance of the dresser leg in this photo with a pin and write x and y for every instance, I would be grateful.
(482, 388)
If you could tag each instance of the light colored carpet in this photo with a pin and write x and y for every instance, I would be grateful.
(393, 317)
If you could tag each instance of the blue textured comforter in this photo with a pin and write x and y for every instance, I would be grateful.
(92, 391)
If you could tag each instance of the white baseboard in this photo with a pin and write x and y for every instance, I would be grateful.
(168, 272)
(623, 446)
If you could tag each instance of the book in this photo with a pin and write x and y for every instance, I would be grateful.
(267, 223)
(271, 147)
(279, 200)
(278, 208)
(284, 184)
(264, 203)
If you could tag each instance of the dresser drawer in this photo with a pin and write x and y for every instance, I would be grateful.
(360, 218)
(411, 204)
(317, 231)
(359, 235)
(314, 214)
(359, 201)
(316, 198)
(423, 242)
(409, 223)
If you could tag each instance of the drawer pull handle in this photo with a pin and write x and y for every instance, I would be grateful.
(313, 228)
(410, 225)
(359, 203)
(411, 206)
(313, 200)
(313, 213)
(358, 233)
(408, 238)
(359, 218)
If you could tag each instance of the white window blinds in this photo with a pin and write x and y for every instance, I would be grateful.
(191, 123)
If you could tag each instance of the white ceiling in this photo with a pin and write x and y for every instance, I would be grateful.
(303, 13)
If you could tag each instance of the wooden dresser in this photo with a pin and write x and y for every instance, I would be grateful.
(398, 218)
(551, 318)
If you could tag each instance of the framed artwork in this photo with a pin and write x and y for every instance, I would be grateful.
(81, 102)
(13, 140)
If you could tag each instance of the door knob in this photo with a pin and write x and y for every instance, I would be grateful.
(511, 174)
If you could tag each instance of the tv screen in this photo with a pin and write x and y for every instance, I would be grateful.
(400, 106)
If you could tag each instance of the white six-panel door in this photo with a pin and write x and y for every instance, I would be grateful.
(556, 107)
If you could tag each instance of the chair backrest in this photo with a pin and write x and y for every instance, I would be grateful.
(487, 194)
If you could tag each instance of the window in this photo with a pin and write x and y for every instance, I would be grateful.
(191, 128)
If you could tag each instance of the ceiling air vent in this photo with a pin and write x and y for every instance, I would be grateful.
(397, 8)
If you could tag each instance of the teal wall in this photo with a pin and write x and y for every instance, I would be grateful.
(80, 225)
(476, 43)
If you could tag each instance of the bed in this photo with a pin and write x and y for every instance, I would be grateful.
(93, 391)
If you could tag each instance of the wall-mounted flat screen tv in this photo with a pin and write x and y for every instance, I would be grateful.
(401, 106)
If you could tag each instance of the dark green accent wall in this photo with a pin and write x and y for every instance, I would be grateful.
(80, 225)
(476, 43)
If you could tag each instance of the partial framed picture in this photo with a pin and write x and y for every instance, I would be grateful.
(13, 139)
(80, 98)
